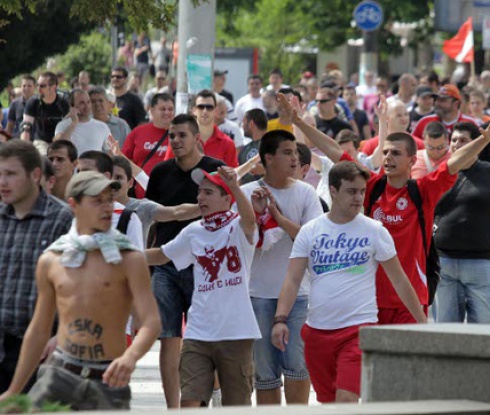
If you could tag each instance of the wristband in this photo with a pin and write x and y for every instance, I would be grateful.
(279, 320)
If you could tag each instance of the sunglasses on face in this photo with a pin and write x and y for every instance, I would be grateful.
(323, 101)
(439, 148)
(42, 86)
(203, 107)
(117, 76)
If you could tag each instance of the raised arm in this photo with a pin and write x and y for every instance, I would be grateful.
(244, 207)
(66, 134)
(465, 154)
(185, 211)
(155, 256)
(403, 288)
(382, 113)
(322, 141)
(39, 330)
(144, 305)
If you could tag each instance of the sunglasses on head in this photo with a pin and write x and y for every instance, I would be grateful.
(202, 107)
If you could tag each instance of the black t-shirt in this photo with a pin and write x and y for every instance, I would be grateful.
(131, 109)
(249, 151)
(361, 119)
(16, 114)
(169, 185)
(331, 127)
(462, 216)
(46, 116)
(415, 117)
(227, 94)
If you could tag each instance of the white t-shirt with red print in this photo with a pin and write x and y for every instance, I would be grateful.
(222, 257)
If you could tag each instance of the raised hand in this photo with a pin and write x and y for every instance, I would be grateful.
(229, 176)
(284, 106)
(485, 132)
(113, 145)
(382, 109)
(260, 200)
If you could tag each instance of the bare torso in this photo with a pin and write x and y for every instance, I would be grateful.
(93, 303)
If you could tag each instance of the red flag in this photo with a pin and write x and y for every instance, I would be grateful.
(461, 47)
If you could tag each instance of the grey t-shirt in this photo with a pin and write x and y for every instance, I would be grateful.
(146, 211)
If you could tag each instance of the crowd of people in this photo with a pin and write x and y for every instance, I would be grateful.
(276, 227)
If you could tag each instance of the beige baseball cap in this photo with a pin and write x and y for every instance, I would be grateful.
(89, 183)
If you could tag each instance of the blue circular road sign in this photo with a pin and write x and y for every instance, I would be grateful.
(368, 15)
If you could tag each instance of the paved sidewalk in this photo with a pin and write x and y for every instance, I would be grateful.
(146, 384)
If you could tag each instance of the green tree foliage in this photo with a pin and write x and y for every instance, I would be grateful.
(273, 25)
(27, 42)
(92, 53)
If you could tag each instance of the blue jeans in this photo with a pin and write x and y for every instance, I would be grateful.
(464, 290)
(270, 363)
(173, 291)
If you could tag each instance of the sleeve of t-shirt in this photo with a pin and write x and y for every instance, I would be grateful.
(312, 206)
(178, 250)
(12, 110)
(31, 107)
(384, 245)
(300, 245)
(231, 158)
(128, 146)
(418, 131)
(62, 126)
(238, 138)
(135, 231)
(148, 210)
(435, 184)
(139, 111)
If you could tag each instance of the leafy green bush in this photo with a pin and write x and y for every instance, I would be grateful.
(22, 404)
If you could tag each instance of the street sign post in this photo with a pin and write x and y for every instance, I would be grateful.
(368, 15)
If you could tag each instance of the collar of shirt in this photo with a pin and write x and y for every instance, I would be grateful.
(40, 208)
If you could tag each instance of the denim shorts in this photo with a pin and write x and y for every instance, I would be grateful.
(271, 363)
(173, 292)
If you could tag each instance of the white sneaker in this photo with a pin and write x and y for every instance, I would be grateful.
(216, 398)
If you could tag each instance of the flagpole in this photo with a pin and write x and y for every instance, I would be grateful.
(472, 71)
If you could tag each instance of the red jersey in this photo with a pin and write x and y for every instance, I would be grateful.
(219, 146)
(370, 145)
(138, 145)
(418, 131)
(399, 215)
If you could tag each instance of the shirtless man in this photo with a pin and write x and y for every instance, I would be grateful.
(79, 276)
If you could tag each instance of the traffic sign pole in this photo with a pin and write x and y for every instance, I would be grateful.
(368, 16)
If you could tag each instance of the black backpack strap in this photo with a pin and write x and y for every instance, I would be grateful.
(154, 149)
(414, 193)
(378, 189)
(123, 222)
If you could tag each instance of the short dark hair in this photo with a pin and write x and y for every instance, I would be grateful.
(407, 139)
(254, 76)
(258, 117)
(103, 162)
(346, 136)
(304, 154)
(270, 142)
(285, 91)
(469, 127)
(190, 120)
(25, 151)
(161, 96)
(123, 163)
(121, 69)
(70, 148)
(28, 77)
(434, 129)
(346, 170)
(52, 78)
(74, 93)
(276, 71)
(48, 170)
(205, 93)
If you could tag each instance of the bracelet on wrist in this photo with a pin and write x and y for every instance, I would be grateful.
(280, 320)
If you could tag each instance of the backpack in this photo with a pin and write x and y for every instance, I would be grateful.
(432, 264)
(123, 222)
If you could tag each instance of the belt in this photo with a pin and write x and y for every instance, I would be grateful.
(83, 371)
